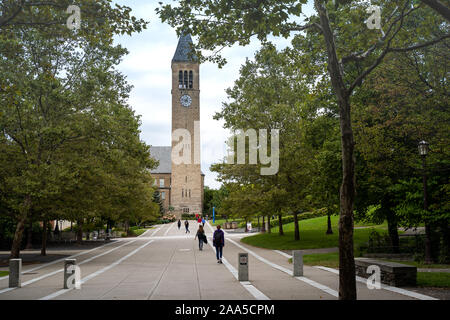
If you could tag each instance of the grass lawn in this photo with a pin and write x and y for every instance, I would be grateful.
(433, 279)
(4, 273)
(312, 235)
(138, 232)
(330, 260)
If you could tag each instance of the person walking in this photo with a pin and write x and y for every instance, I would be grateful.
(186, 225)
(199, 220)
(179, 224)
(201, 237)
(219, 243)
(203, 221)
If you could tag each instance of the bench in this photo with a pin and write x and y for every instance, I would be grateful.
(392, 273)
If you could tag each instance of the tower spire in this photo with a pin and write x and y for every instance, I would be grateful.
(184, 52)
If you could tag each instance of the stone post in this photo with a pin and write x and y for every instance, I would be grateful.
(297, 260)
(243, 266)
(15, 273)
(67, 264)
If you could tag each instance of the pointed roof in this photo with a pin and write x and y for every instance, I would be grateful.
(184, 52)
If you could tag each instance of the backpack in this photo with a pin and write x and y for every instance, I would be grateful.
(217, 238)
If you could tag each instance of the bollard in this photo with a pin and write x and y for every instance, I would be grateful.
(297, 259)
(243, 266)
(15, 273)
(68, 274)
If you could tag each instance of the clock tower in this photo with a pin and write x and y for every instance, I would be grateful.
(187, 179)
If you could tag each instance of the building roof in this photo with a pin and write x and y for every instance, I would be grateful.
(184, 52)
(164, 156)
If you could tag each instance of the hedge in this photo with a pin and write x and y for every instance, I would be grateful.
(188, 216)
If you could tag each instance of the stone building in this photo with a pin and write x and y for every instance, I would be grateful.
(178, 176)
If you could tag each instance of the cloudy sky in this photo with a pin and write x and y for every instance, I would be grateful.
(148, 69)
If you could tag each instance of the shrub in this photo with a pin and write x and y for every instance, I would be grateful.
(188, 216)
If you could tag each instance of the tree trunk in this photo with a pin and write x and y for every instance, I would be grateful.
(79, 232)
(44, 238)
(259, 227)
(347, 277)
(393, 232)
(263, 227)
(280, 225)
(297, 231)
(17, 241)
(269, 228)
(329, 229)
(29, 245)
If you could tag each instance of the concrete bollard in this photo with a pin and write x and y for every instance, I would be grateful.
(243, 266)
(15, 273)
(68, 274)
(297, 259)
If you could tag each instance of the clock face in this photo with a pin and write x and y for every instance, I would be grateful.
(186, 100)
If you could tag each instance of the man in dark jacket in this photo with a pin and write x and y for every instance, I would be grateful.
(186, 225)
(219, 243)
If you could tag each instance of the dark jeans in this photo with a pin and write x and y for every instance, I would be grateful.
(219, 251)
(200, 243)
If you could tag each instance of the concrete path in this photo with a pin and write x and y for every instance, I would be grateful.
(165, 263)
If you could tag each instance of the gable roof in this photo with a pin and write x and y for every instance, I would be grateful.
(184, 51)
(164, 156)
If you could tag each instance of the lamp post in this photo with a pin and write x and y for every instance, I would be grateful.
(423, 151)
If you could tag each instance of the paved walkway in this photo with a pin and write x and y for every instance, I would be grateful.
(165, 263)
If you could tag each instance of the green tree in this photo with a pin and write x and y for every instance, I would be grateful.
(351, 52)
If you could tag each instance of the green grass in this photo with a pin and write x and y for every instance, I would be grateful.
(433, 279)
(330, 260)
(138, 232)
(312, 235)
(4, 273)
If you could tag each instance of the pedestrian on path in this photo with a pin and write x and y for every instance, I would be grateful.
(219, 243)
(201, 237)
(179, 224)
(199, 220)
(186, 225)
(203, 221)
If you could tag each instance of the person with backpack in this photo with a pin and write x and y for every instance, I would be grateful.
(201, 237)
(219, 243)
(186, 225)
(179, 224)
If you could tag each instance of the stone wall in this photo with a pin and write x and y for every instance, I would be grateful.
(393, 274)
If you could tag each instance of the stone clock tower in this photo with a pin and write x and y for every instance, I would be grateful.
(187, 180)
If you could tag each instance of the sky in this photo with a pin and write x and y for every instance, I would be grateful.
(148, 69)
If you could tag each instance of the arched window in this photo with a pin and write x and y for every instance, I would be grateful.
(182, 193)
(185, 79)
(180, 79)
(191, 79)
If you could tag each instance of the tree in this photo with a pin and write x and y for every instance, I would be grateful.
(351, 53)
(53, 81)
